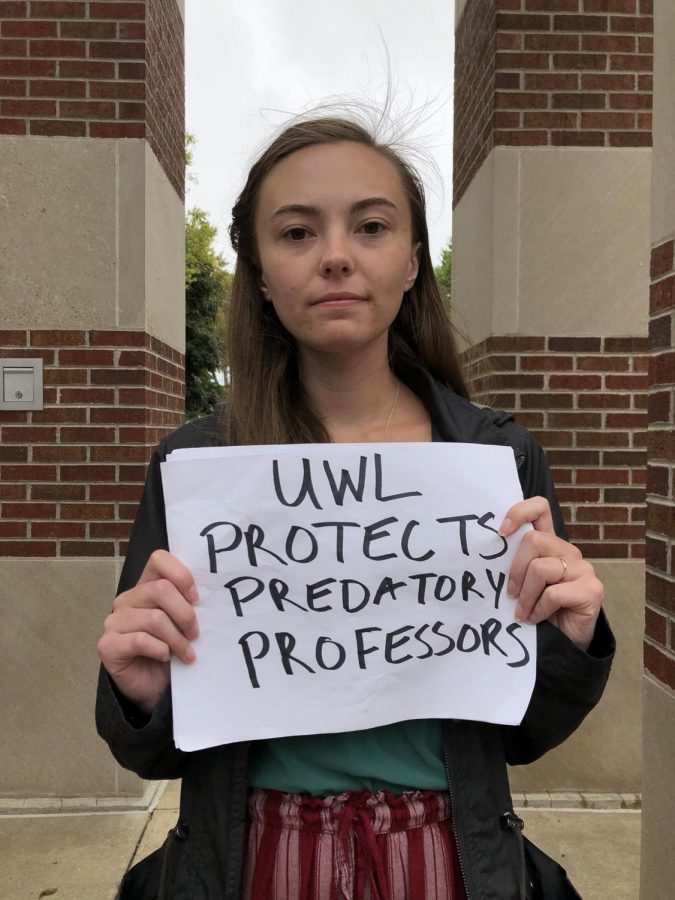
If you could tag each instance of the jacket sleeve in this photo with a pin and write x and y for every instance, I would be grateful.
(569, 680)
(140, 742)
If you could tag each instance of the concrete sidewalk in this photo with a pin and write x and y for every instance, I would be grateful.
(82, 856)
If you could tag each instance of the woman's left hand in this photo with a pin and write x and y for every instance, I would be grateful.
(550, 577)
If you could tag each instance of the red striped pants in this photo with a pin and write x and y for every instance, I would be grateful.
(356, 846)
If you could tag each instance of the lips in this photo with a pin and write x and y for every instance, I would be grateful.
(339, 298)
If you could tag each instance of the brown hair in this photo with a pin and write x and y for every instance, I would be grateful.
(267, 403)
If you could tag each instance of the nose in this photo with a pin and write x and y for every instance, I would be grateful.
(336, 256)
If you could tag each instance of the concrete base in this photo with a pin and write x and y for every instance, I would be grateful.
(599, 850)
(67, 856)
(605, 753)
(658, 861)
(53, 612)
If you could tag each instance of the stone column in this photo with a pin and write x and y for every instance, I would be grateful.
(92, 282)
(550, 281)
(658, 865)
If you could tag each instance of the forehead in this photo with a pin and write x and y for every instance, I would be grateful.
(331, 174)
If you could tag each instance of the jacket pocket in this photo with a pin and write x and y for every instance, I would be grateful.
(547, 880)
(142, 881)
(539, 876)
(153, 878)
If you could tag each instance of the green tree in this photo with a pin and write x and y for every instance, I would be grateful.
(207, 290)
(444, 273)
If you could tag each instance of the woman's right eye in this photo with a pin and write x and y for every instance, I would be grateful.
(296, 234)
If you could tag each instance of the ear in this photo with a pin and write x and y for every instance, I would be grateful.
(413, 266)
(264, 287)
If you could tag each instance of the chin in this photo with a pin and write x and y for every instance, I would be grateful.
(343, 344)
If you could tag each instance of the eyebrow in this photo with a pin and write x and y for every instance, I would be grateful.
(359, 206)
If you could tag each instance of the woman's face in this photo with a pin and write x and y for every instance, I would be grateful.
(335, 245)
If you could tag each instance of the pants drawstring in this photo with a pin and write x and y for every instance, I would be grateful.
(371, 864)
(357, 845)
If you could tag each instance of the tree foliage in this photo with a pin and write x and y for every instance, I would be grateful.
(207, 291)
(444, 273)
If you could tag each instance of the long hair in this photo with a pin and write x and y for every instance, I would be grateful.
(267, 403)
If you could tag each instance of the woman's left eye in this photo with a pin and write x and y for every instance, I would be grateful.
(373, 227)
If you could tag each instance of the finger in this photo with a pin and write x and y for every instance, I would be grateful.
(578, 601)
(154, 622)
(541, 573)
(118, 651)
(163, 564)
(536, 544)
(547, 605)
(161, 594)
(535, 510)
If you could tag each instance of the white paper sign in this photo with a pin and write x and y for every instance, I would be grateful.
(346, 586)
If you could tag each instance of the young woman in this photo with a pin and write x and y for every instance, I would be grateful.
(338, 333)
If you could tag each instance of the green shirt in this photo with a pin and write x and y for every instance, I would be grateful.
(399, 757)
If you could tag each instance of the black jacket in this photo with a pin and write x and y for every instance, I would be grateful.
(202, 857)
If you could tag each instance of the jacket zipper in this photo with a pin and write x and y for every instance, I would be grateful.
(232, 884)
(453, 807)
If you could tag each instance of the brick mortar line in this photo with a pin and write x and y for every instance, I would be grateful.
(600, 354)
(92, 79)
(568, 112)
(660, 573)
(86, 19)
(660, 611)
(570, 71)
(554, 32)
(659, 500)
(548, 92)
(668, 652)
(661, 351)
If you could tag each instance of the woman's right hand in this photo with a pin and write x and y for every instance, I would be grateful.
(149, 623)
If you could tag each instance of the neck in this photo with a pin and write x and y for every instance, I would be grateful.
(352, 396)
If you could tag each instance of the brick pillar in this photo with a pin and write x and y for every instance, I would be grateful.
(659, 646)
(92, 282)
(657, 863)
(550, 280)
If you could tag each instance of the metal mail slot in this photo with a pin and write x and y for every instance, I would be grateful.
(21, 381)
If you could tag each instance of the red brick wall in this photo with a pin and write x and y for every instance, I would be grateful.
(659, 648)
(98, 70)
(71, 474)
(474, 91)
(584, 399)
(165, 108)
(564, 73)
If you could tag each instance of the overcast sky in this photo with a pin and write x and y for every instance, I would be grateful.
(251, 65)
